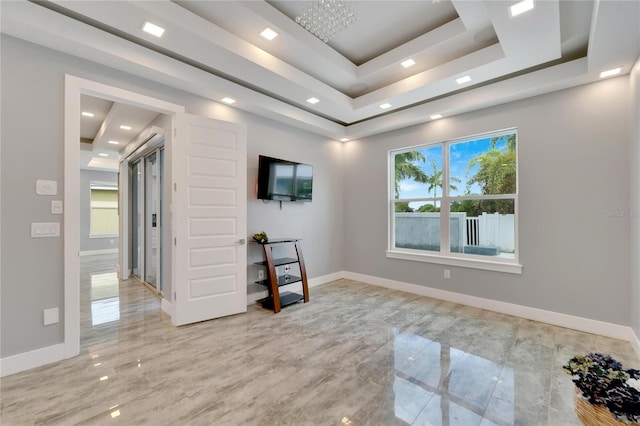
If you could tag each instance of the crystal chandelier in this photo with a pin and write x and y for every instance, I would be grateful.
(325, 18)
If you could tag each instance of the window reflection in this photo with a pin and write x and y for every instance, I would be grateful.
(436, 384)
(105, 300)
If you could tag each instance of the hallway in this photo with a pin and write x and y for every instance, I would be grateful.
(109, 307)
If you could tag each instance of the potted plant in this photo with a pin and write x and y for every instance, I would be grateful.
(606, 394)
(261, 237)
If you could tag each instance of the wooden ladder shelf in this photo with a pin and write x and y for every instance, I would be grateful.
(276, 279)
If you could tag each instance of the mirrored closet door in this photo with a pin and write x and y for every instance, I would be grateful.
(146, 218)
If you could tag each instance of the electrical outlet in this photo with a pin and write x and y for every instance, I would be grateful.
(260, 274)
(447, 273)
(287, 269)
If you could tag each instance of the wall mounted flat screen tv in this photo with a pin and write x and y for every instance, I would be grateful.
(283, 180)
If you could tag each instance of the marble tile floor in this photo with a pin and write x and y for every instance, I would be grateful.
(355, 355)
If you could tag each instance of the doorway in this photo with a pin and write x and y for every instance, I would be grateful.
(206, 201)
(75, 88)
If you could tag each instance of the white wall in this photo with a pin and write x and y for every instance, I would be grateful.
(573, 168)
(93, 244)
(29, 73)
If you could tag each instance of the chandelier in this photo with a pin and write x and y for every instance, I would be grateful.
(325, 18)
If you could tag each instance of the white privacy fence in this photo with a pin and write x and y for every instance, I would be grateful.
(494, 230)
(422, 231)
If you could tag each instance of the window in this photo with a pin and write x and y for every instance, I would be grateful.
(455, 202)
(104, 210)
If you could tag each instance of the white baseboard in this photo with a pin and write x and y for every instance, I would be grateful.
(554, 318)
(167, 307)
(96, 252)
(312, 282)
(32, 359)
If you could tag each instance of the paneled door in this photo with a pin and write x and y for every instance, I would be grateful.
(209, 219)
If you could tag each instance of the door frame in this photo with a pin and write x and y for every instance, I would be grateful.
(75, 87)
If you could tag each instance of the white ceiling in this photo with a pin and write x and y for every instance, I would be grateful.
(213, 49)
(101, 136)
(377, 20)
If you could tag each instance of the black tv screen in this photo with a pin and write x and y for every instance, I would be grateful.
(283, 180)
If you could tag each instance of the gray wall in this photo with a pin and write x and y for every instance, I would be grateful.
(86, 243)
(634, 164)
(29, 152)
(30, 91)
(573, 170)
(318, 223)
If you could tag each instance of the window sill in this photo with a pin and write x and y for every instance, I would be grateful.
(91, 236)
(487, 265)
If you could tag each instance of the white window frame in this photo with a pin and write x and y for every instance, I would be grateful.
(445, 256)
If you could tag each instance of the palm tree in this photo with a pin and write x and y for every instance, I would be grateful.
(435, 179)
(405, 168)
(497, 168)
(509, 139)
(496, 173)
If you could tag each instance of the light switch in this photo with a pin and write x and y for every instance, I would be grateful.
(43, 230)
(56, 206)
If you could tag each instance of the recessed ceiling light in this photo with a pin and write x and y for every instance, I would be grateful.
(87, 114)
(229, 101)
(521, 7)
(609, 73)
(269, 34)
(385, 106)
(114, 142)
(152, 29)
(462, 80)
(344, 140)
(436, 116)
(102, 154)
(313, 100)
(408, 63)
(123, 127)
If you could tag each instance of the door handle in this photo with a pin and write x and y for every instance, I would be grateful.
(241, 241)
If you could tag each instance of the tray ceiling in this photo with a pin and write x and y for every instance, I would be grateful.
(214, 49)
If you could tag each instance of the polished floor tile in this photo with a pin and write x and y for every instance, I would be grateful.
(355, 355)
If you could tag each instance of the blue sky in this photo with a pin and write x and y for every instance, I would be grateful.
(459, 156)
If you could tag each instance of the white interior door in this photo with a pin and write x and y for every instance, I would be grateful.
(209, 219)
